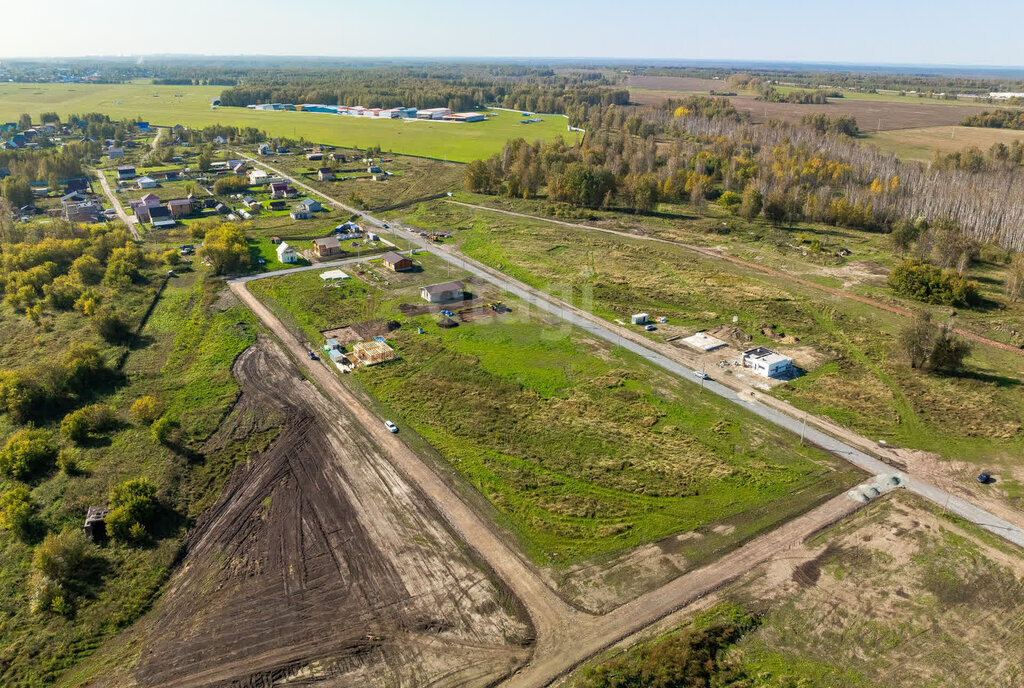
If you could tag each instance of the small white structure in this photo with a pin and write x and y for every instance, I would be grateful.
(704, 342)
(286, 254)
(446, 291)
(330, 275)
(639, 319)
(257, 177)
(766, 362)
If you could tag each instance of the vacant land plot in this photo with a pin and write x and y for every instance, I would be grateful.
(320, 562)
(190, 106)
(922, 144)
(899, 597)
(581, 448)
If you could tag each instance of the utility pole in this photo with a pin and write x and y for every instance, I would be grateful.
(803, 429)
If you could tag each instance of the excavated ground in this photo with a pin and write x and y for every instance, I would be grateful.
(320, 564)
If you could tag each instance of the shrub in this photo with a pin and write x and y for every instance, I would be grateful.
(27, 452)
(44, 592)
(111, 325)
(730, 200)
(172, 257)
(67, 461)
(78, 425)
(16, 511)
(146, 409)
(932, 284)
(60, 556)
(161, 430)
(133, 504)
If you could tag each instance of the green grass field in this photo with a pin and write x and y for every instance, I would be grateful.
(190, 106)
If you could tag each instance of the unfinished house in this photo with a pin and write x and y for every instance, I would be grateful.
(373, 352)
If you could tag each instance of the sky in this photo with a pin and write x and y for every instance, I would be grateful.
(869, 31)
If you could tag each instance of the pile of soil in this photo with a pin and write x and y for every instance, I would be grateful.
(731, 334)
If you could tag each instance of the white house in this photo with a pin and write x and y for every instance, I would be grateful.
(147, 183)
(257, 177)
(767, 363)
(446, 291)
(286, 254)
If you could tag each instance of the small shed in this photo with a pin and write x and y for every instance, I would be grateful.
(96, 522)
(639, 319)
(445, 291)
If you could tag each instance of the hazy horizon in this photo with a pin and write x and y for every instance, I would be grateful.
(914, 33)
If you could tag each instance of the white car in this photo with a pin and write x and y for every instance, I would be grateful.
(390, 426)
(701, 375)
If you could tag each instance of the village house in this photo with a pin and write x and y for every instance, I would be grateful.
(115, 152)
(767, 363)
(300, 212)
(179, 207)
(311, 205)
(263, 149)
(125, 172)
(85, 211)
(287, 254)
(325, 174)
(445, 291)
(396, 262)
(251, 203)
(326, 247)
(147, 183)
(257, 177)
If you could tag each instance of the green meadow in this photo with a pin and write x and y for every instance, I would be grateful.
(190, 106)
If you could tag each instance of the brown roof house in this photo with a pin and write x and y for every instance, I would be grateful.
(445, 291)
(326, 246)
(396, 262)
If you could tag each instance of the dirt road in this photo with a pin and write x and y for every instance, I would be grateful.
(117, 205)
(320, 560)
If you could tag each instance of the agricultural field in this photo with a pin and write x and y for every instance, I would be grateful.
(923, 143)
(856, 374)
(898, 596)
(190, 106)
(874, 112)
(641, 458)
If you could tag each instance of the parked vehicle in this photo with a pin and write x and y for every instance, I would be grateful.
(985, 477)
(390, 426)
(650, 328)
(312, 355)
(701, 375)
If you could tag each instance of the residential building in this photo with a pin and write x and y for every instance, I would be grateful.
(179, 207)
(258, 177)
(299, 212)
(263, 149)
(325, 174)
(767, 363)
(125, 172)
(396, 262)
(311, 205)
(147, 183)
(287, 254)
(84, 211)
(445, 291)
(115, 152)
(326, 246)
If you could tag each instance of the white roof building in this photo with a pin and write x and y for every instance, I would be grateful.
(286, 254)
(766, 362)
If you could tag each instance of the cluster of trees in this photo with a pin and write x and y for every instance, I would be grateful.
(770, 94)
(38, 393)
(824, 124)
(998, 119)
(695, 656)
(928, 344)
(932, 284)
(225, 248)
